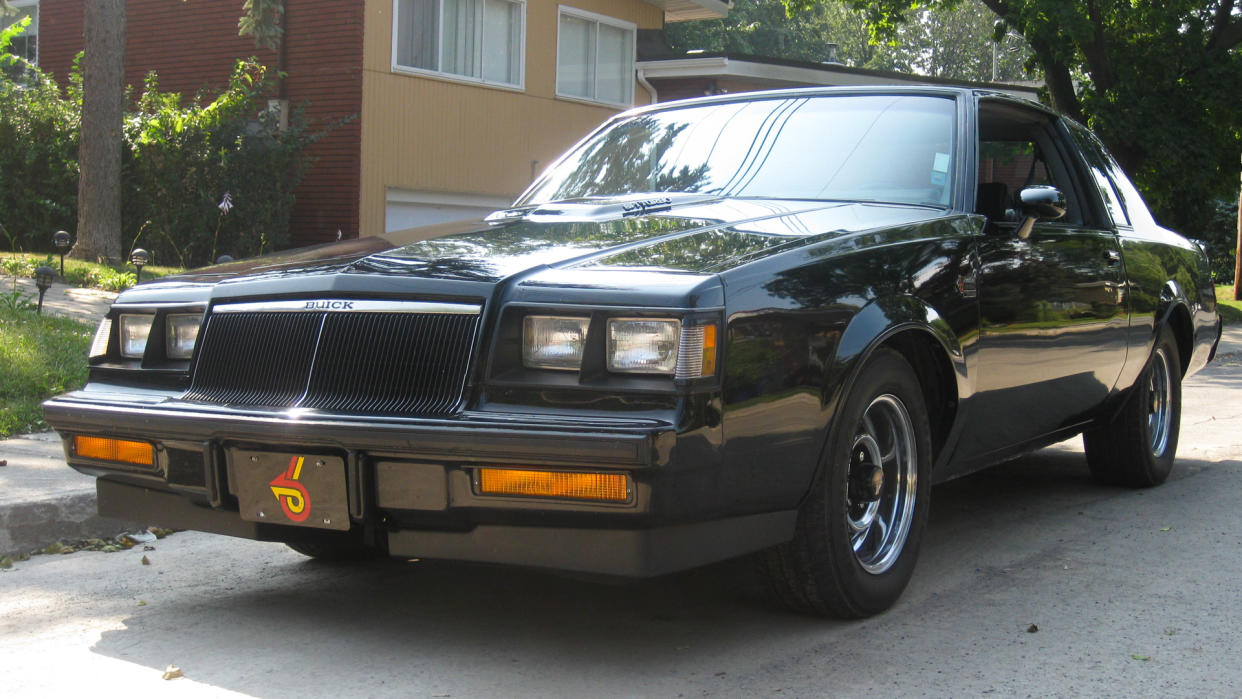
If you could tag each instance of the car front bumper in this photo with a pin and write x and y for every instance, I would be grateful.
(411, 488)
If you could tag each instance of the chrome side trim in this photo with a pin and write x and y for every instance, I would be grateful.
(347, 306)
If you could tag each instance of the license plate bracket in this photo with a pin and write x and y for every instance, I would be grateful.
(290, 488)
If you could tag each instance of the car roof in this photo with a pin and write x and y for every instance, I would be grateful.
(910, 90)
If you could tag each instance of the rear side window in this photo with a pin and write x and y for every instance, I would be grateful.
(1120, 197)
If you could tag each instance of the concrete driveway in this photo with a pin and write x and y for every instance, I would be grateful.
(1131, 593)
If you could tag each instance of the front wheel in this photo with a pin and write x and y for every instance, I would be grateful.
(1136, 448)
(859, 532)
(336, 549)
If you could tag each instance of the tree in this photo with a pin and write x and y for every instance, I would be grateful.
(103, 94)
(762, 28)
(99, 150)
(1156, 80)
(952, 43)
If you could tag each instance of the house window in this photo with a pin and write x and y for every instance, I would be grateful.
(595, 57)
(26, 45)
(478, 40)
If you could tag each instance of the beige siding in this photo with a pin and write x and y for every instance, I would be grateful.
(436, 135)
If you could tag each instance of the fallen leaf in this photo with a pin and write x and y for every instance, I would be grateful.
(172, 672)
(1165, 529)
(148, 547)
(146, 561)
(5, 562)
(1144, 658)
(142, 603)
(1032, 629)
(1170, 632)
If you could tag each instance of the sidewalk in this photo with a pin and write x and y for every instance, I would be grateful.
(86, 305)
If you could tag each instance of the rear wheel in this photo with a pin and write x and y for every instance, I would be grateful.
(1137, 447)
(859, 531)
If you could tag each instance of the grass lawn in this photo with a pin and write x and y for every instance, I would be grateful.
(40, 356)
(1230, 310)
(79, 272)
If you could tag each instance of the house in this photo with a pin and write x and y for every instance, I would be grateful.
(458, 103)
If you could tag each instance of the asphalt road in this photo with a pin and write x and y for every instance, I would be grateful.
(1132, 592)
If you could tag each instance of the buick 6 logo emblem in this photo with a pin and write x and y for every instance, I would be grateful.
(290, 493)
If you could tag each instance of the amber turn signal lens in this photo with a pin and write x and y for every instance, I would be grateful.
(709, 350)
(612, 487)
(107, 449)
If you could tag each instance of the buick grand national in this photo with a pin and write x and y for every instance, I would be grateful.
(758, 324)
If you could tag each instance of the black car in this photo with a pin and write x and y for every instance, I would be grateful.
(749, 323)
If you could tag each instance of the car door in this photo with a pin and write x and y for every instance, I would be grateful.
(1052, 306)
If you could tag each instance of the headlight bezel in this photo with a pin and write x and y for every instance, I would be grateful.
(118, 354)
(506, 366)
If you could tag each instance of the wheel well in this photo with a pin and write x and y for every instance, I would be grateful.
(935, 373)
(1179, 323)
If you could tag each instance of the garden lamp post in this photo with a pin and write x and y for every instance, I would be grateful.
(139, 257)
(43, 279)
(61, 240)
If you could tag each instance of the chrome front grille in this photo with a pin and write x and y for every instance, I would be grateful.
(363, 357)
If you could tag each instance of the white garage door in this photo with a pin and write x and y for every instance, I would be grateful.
(406, 209)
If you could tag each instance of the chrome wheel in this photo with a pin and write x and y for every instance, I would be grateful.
(883, 481)
(1160, 401)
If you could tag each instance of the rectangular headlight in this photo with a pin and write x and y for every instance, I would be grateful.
(182, 331)
(643, 345)
(99, 346)
(553, 342)
(134, 331)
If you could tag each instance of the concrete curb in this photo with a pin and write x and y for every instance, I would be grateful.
(43, 501)
(30, 527)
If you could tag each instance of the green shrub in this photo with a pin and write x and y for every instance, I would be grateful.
(38, 152)
(186, 158)
(1221, 237)
(180, 158)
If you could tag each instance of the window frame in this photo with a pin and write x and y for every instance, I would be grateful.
(598, 19)
(519, 86)
(38, 8)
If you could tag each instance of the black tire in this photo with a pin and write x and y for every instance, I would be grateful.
(820, 571)
(336, 549)
(1136, 448)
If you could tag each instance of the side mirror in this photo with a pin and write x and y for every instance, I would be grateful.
(1039, 202)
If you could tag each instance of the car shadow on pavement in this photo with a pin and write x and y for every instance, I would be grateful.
(373, 629)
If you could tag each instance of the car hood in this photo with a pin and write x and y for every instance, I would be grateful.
(698, 235)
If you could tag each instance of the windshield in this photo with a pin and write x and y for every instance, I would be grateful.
(889, 148)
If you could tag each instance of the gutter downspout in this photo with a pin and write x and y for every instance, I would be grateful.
(642, 80)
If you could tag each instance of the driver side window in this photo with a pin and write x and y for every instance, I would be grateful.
(1017, 149)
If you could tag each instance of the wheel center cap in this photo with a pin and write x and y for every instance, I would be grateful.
(866, 483)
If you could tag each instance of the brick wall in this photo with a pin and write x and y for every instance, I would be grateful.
(193, 44)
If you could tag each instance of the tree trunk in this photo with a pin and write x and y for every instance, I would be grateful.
(1237, 255)
(99, 153)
